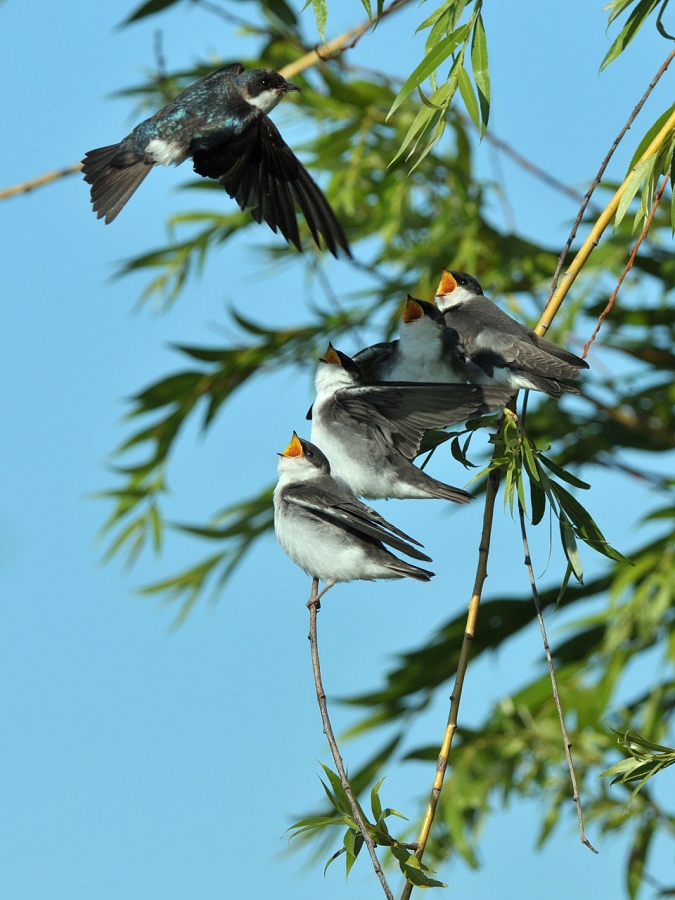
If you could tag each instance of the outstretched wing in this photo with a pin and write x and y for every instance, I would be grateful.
(260, 171)
(402, 412)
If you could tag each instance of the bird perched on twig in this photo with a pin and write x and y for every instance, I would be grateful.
(327, 531)
(425, 350)
(372, 432)
(499, 350)
(221, 122)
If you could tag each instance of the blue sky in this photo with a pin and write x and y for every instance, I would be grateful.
(141, 761)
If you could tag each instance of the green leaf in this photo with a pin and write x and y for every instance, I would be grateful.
(570, 547)
(375, 804)
(633, 24)
(563, 474)
(481, 73)
(429, 64)
(148, 9)
(468, 96)
(639, 175)
(321, 15)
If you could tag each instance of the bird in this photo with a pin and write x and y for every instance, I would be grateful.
(425, 351)
(328, 532)
(221, 122)
(371, 432)
(499, 350)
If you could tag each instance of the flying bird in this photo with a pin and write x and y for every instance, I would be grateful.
(221, 122)
(327, 531)
(372, 432)
(426, 350)
(499, 350)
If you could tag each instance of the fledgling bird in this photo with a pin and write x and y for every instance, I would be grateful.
(372, 432)
(499, 350)
(221, 122)
(426, 350)
(327, 531)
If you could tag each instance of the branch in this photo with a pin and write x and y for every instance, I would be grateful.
(462, 665)
(48, 177)
(601, 172)
(596, 232)
(631, 261)
(554, 682)
(314, 604)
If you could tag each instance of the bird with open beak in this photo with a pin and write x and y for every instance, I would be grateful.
(328, 532)
(425, 351)
(499, 350)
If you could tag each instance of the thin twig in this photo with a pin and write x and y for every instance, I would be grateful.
(554, 682)
(314, 605)
(462, 665)
(601, 172)
(630, 263)
(33, 183)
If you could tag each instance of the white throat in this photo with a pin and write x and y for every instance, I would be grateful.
(454, 298)
(267, 100)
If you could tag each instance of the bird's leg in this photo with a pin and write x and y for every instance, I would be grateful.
(315, 596)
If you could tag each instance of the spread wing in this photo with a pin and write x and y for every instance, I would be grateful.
(260, 171)
(327, 502)
(402, 412)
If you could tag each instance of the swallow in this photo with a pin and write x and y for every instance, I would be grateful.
(328, 532)
(221, 122)
(499, 350)
(372, 432)
(426, 350)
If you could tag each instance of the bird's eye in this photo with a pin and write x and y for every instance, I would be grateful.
(264, 82)
(309, 454)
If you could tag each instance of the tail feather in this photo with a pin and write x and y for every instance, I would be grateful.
(440, 489)
(111, 186)
(407, 570)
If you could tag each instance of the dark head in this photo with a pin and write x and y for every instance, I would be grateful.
(419, 309)
(264, 88)
(456, 288)
(302, 450)
(337, 358)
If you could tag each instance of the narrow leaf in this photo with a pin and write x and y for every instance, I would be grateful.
(429, 64)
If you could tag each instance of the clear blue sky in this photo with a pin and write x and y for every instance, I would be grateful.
(141, 762)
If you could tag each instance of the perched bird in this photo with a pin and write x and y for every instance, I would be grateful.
(371, 432)
(221, 122)
(425, 351)
(328, 532)
(499, 350)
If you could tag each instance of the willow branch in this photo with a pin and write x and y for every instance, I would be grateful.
(462, 665)
(46, 178)
(601, 171)
(554, 681)
(314, 605)
(630, 263)
(596, 232)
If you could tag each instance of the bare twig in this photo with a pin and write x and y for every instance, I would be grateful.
(314, 605)
(33, 183)
(462, 665)
(631, 261)
(601, 172)
(554, 682)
